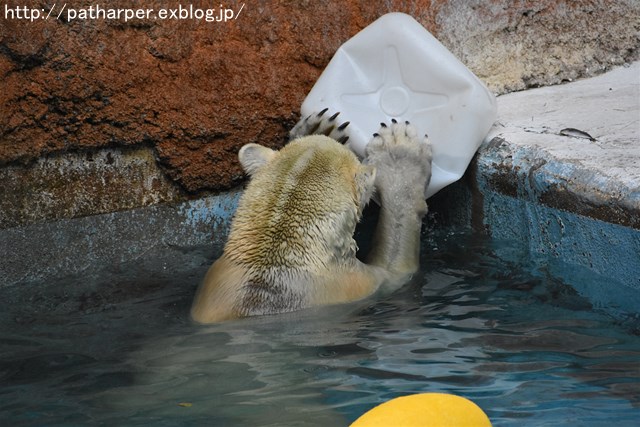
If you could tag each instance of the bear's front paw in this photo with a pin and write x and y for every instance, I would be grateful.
(321, 123)
(401, 158)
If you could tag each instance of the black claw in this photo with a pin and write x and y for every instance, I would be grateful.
(383, 124)
(314, 129)
(328, 131)
(343, 139)
(332, 118)
(375, 135)
(426, 136)
(394, 120)
(344, 125)
(321, 113)
(406, 122)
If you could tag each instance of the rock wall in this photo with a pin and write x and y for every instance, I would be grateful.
(172, 100)
(515, 45)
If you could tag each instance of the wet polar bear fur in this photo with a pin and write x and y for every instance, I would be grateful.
(291, 242)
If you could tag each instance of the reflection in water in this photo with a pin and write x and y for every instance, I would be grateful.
(521, 345)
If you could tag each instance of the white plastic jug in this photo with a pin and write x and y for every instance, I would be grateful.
(395, 68)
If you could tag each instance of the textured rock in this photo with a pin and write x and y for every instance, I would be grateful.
(514, 45)
(193, 92)
(82, 183)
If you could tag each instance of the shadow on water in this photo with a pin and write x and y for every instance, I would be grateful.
(117, 348)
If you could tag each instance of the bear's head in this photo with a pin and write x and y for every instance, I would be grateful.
(302, 204)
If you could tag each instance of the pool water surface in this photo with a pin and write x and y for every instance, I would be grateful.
(502, 332)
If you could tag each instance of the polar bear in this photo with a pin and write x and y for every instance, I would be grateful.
(291, 242)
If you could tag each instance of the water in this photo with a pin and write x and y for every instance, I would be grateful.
(522, 345)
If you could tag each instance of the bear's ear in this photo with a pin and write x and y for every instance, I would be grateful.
(253, 157)
(365, 184)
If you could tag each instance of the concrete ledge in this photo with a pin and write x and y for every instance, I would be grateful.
(569, 199)
(600, 260)
(90, 246)
(574, 147)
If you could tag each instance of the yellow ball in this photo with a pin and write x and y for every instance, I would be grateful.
(428, 409)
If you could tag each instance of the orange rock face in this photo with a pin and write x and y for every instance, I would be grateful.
(193, 90)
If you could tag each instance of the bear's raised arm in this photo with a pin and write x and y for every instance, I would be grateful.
(403, 171)
(291, 242)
